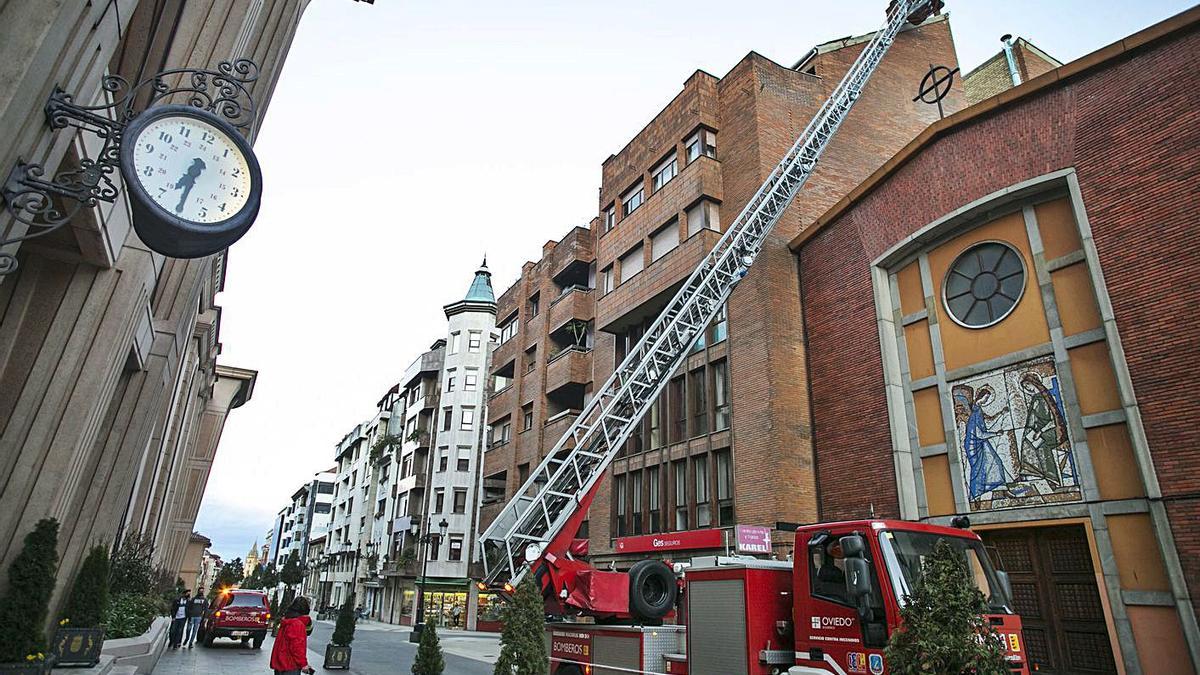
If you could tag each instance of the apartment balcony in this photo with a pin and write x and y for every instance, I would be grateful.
(488, 514)
(557, 425)
(572, 255)
(503, 402)
(644, 295)
(571, 366)
(577, 303)
(504, 354)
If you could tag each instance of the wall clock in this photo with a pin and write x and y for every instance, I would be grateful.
(193, 180)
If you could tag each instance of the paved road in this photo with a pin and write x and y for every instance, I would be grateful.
(387, 651)
(378, 650)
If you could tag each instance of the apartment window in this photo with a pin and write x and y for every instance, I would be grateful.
(654, 499)
(474, 340)
(703, 507)
(500, 382)
(530, 359)
(503, 434)
(720, 326)
(620, 496)
(703, 215)
(468, 420)
(450, 383)
(681, 502)
(724, 488)
(447, 417)
(663, 173)
(470, 382)
(703, 142)
(606, 280)
(522, 473)
(380, 507)
(657, 438)
(635, 490)
(720, 371)
(631, 200)
(699, 402)
(456, 546)
(631, 263)
(460, 501)
(439, 500)
(452, 346)
(434, 544)
(464, 463)
(677, 409)
(664, 240)
(508, 330)
(443, 459)
(406, 466)
(610, 217)
(527, 417)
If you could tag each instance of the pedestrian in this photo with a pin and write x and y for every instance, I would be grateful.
(289, 655)
(178, 619)
(195, 612)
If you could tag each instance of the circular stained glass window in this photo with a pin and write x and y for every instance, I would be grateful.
(984, 284)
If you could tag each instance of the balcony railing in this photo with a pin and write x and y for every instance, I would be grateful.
(572, 365)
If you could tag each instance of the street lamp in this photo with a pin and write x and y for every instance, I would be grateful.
(415, 529)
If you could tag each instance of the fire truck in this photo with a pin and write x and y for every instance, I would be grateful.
(829, 610)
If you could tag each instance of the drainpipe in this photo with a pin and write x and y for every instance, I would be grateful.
(1006, 39)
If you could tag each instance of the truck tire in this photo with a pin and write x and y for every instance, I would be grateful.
(651, 589)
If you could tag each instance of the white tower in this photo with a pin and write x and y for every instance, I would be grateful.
(460, 427)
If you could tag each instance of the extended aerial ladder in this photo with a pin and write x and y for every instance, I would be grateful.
(536, 527)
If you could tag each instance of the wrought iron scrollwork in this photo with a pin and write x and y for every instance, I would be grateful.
(40, 205)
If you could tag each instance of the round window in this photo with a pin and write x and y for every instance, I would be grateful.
(984, 284)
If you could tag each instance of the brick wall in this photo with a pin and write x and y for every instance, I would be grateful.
(1138, 162)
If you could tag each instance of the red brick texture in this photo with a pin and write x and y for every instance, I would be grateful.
(1131, 130)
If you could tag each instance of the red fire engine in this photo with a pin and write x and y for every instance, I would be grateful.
(828, 611)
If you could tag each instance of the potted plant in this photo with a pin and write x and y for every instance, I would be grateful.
(80, 633)
(522, 642)
(337, 652)
(429, 659)
(26, 602)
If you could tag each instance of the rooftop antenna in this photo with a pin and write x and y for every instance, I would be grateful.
(872, 507)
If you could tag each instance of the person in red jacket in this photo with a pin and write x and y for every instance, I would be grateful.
(289, 655)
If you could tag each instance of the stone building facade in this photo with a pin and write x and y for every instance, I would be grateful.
(1013, 341)
(111, 398)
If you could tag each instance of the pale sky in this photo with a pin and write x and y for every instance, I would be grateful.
(407, 138)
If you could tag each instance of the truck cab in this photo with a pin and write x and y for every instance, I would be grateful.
(844, 628)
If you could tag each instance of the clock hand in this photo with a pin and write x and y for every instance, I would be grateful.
(188, 181)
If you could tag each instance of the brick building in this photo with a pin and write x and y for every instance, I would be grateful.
(731, 434)
(1012, 340)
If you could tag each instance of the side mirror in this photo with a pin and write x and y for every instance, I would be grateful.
(1005, 586)
(853, 546)
(858, 578)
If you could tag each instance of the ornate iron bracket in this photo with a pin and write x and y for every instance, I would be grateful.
(40, 205)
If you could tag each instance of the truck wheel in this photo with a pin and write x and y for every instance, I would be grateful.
(651, 589)
(258, 639)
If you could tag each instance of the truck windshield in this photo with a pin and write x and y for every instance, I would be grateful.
(905, 552)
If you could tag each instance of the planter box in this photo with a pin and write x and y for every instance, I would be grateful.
(337, 656)
(31, 668)
(77, 646)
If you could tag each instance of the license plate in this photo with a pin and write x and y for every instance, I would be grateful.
(240, 633)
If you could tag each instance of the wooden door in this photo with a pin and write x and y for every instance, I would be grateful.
(1055, 592)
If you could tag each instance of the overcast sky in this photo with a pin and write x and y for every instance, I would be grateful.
(407, 138)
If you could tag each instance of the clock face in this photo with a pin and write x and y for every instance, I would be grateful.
(191, 169)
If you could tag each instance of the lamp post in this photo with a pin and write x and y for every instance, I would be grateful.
(415, 529)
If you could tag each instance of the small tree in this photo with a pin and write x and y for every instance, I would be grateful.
(270, 576)
(944, 630)
(522, 643)
(88, 602)
(429, 659)
(131, 568)
(343, 632)
(24, 606)
(292, 573)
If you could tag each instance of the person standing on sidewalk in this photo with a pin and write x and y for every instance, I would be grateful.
(178, 619)
(289, 655)
(195, 612)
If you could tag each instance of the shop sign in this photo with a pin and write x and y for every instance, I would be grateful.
(673, 541)
(753, 539)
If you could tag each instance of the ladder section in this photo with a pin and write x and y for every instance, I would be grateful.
(554, 491)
